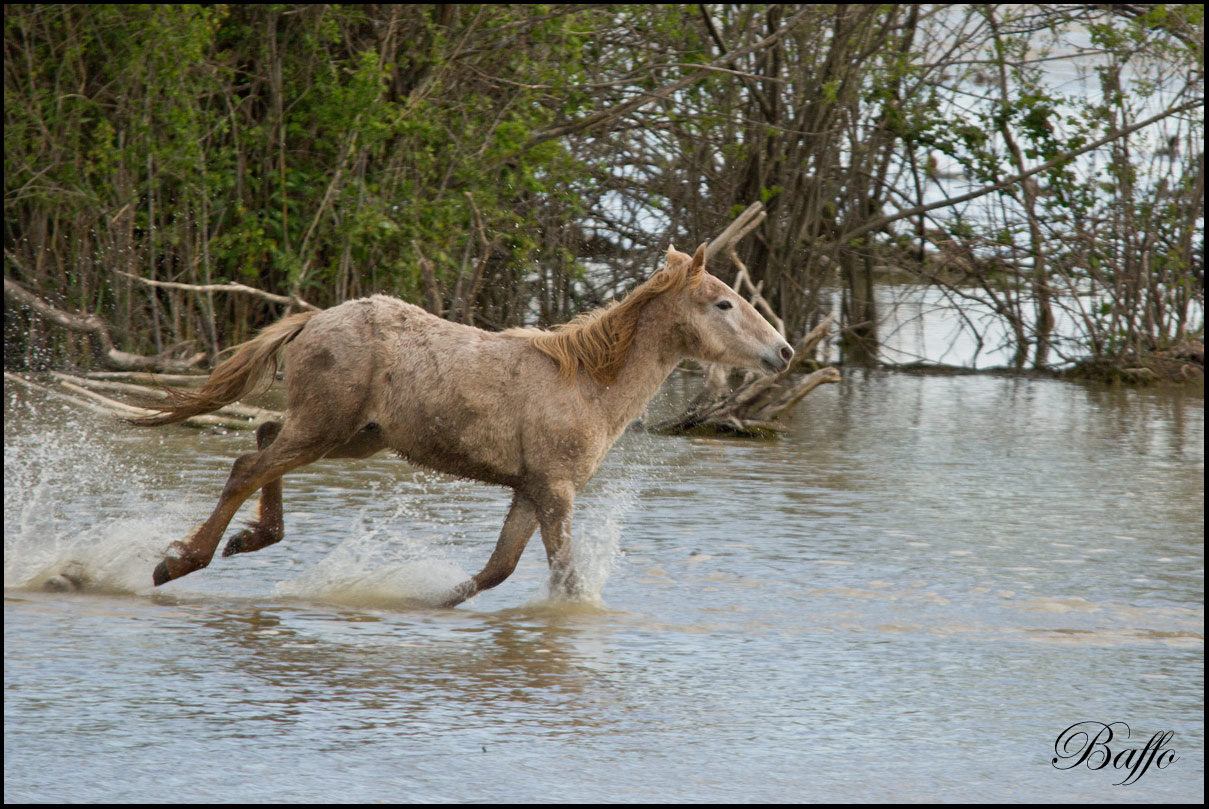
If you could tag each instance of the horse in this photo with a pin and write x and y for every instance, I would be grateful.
(529, 409)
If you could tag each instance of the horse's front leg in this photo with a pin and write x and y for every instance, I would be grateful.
(518, 527)
(555, 517)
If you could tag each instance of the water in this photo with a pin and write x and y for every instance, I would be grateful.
(919, 324)
(907, 597)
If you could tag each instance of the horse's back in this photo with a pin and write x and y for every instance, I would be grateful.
(330, 367)
(445, 395)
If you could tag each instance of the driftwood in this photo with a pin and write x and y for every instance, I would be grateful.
(751, 409)
(53, 394)
(743, 224)
(93, 325)
(157, 394)
(147, 378)
(80, 391)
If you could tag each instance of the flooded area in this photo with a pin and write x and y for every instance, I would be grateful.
(907, 597)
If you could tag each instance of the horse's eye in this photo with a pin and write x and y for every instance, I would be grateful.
(724, 305)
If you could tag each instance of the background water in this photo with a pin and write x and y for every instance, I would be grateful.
(907, 597)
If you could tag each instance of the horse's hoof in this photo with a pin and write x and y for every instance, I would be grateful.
(253, 538)
(236, 544)
(162, 573)
(62, 583)
(460, 593)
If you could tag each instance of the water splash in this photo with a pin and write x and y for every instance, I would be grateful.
(55, 534)
(418, 554)
(379, 568)
(596, 540)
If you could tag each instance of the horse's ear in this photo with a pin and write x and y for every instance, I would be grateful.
(674, 256)
(697, 269)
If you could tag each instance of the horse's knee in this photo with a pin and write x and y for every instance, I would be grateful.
(241, 474)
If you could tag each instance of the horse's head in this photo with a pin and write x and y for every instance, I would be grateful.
(717, 325)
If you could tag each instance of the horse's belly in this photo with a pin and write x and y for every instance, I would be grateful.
(466, 450)
(447, 399)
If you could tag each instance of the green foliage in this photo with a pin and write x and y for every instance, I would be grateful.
(331, 151)
(295, 148)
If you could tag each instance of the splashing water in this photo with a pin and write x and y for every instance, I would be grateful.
(410, 558)
(54, 537)
(88, 508)
(595, 542)
(380, 566)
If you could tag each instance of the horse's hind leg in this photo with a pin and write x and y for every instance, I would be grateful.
(269, 527)
(256, 470)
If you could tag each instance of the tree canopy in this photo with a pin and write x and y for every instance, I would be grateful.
(509, 164)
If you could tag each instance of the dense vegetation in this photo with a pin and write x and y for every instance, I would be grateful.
(502, 164)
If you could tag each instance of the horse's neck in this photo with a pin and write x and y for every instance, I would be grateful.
(651, 358)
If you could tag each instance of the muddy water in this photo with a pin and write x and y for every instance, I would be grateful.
(908, 597)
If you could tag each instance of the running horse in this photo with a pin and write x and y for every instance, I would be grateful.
(533, 410)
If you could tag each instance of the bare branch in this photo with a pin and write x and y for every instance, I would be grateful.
(663, 92)
(882, 221)
(91, 324)
(230, 286)
(752, 216)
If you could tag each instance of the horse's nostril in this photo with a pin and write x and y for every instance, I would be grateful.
(786, 353)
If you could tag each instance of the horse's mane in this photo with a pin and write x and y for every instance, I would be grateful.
(599, 341)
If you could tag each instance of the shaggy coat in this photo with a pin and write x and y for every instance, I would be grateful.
(532, 410)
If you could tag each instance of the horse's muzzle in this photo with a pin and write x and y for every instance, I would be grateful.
(776, 360)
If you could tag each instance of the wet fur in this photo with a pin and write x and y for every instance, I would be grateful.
(531, 410)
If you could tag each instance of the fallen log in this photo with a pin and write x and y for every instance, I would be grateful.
(91, 400)
(147, 378)
(158, 394)
(53, 394)
(109, 354)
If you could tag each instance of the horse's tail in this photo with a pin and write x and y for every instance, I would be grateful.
(234, 377)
